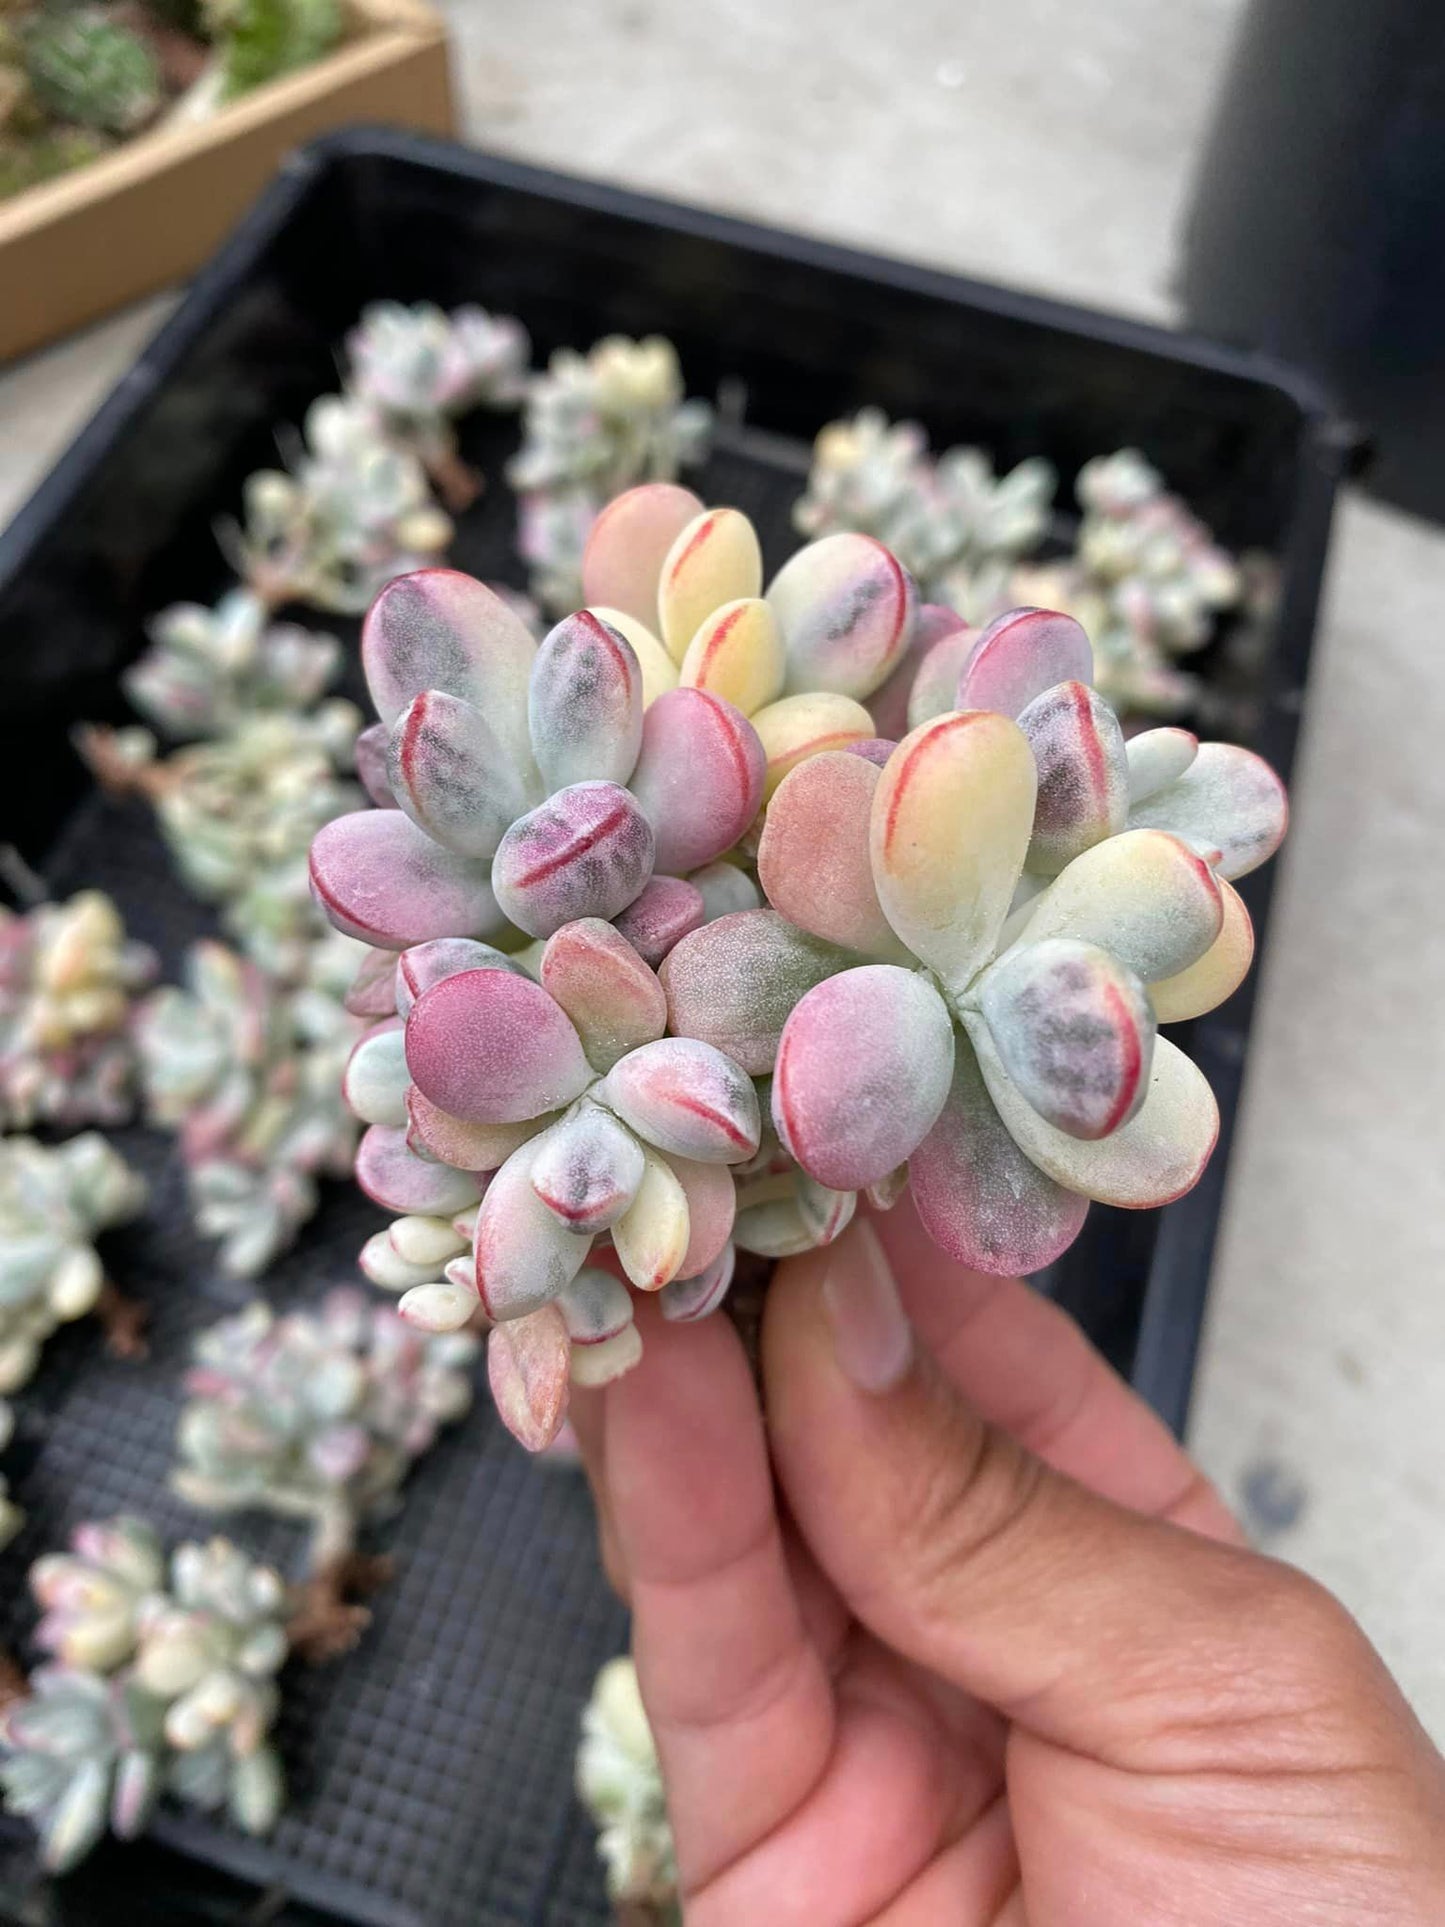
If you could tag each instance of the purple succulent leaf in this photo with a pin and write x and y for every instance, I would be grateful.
(685, 1300)
(371, 753)
(426, 964)
(734, 982)
(933, 622)
(585, 852)
(585, 703)
(392, 1175)
(699, 777)
(451, 776)
(596, 1305)
(1083, 773)
(380, 878)
(1019, 656)
(685, 1097)
(934, 690)
(587, 1169)
(873, 749)
(373, 989)
(1228, 800)
(667, 909)
(845, 606)
(492, 1047)
(434, 1133)
(524, 1255)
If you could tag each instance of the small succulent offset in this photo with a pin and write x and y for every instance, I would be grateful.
(88, 70)
(54, 1201)
(68, 976)
(256, 40)
(594, 425)
(619, 1781)
(208, 671)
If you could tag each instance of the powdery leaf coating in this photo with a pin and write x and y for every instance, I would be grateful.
(686, 1097)
(1218, 973)
(1083, 774)
(628, 544)
(596, 1306)
(652, 1236)
(375, 1081)
(425, 1241)
(380, 878)
(797, 727)
(1153, 1159)
(788, 1213)
(979, 1198)
(1144, 897)
(439, 1306)
(873, 749)
(932, 623)
(715, 559)
(734, 982)
(699, 777)
(1158, 757)
(712, 1200)
(813, 858)
(737, 654)
(862, 1072)
(686, 1300)
(523, 1255)
(373, 989)
(433, 1132)
(950, 828)
(659, 671)
(450, 775)
(845, 606)
(492, 1047)
(615, 1001)
(528, 1367)
(426, 964)
(667, 909)
(1228, 799)
(935, 686)
(585, 852)
(585, 703)
(1019, 656)
(724, 889)
(586, 1169)
(371, 754)
(392, 1175)
(1075, 1032)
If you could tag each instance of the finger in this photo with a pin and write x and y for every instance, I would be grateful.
(738, 1696)
(1025, 1365)
(588, 1417)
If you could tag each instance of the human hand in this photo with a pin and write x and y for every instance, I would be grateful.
(992, 1653)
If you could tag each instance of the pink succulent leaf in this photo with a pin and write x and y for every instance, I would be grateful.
(713, 560)
(1228, 799)
(687, 1098)
(435, 1133)
(1083, 774)
(1019, 656)
(978, 1196)
(376, 1078)
(665, 912)
(734, 982)
(371, 754)
(651, 1237)
(712, 1199)
(813, 859)
(524, 1255)
(380, 878)
(724, 889)
(657, 668)
(686, 1300)
(1216, 975)
(392, 1175)
(1153, 1159)
(797, 727)
(585, 704)
(1144, 896)
(611, 995)
(1075, 1031)
(737, 654)
(845, 606)
(426, 964)
(451, 776)
(1157, 758)
(587, 1169)
(699, 777)
(873, 749)
(862, 1072)
(596, 1306)
(528, 1363)
(628, 544)
(440, 1306)
(492, 1047)
(373, 990)
(586, 852)
(932, 623)
(461, 1272)
(934, 691)
(950, 827)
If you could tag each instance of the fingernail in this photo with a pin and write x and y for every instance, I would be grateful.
(872, 1340)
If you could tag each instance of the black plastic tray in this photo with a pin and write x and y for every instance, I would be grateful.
(432, 1769)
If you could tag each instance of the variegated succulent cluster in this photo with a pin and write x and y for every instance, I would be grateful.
(594, 425)
(68, 978)
(164, 1681)
(619, 1781)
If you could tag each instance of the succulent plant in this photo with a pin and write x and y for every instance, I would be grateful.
(619, 1781)
(31, 159)
(89, 70)
(54, 1200)
(82, 1753)
(257, 40)
(208, 671)
(11, 1516)
(95, 1597)
(594, 425)
(68, 975)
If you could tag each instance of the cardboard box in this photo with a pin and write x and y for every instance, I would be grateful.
(75, 248)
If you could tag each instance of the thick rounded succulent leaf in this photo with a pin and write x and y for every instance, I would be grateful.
(686, 1097)
(371, 756)
(596, 1305)
(813, 859)
(659, 671)
(1218, 973)
(1228, 800)
(380, 878)
(712, 1199)
(734, 982)
(524, 1255)
(797, 727)
(933, 622)
(1083, 794)
(1019, 656)
(470, 1146)
(873, 749)
(1075, 1031)
(425, 1241)
(1157, 758)
(451, 776)
(950, 828)
(724, 889)
(386, 1268)
(628, 544)
(373, 989)
(686, 1300)
(1154, 1158)
(587, 1169)
(715, 559)
(493, 1047)
(426, 964)
(845, 606)
(667, 909)
(934, 690)
(599, 1364)
(862, 1072)
(737, 654)
(376, 1078)
(978, 1197)
(788, 1213)
(652, 1236)
(699, 777)
(392, 1175)
(585, 852)
(440, 1305)
(585, 703)
(528, 1368)
(612, 997)
(1144, 897)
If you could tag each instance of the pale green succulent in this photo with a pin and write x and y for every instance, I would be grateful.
(256, 40)
(620, 1783)
(90, 71)
(208, 670)
(95, 1597)
(82, 1753)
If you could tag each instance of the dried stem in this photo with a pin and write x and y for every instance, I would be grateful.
(124, 1321)
(325, 1619)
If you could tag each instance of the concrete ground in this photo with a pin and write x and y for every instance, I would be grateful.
(1051, 145)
